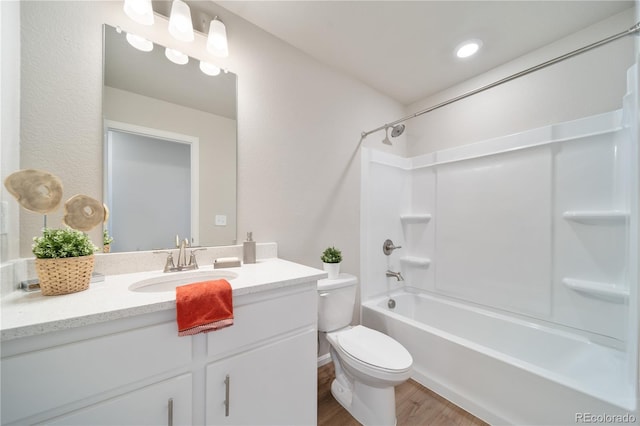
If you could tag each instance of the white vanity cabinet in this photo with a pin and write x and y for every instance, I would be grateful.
(137, 371)
(168, 402)
(265, 381)
(266, 386)
(72, 372)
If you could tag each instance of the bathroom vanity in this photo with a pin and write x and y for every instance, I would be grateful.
(112, 355)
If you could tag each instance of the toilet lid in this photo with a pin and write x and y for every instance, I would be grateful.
(374, 348)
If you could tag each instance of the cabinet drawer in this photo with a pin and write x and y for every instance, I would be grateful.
(263, 319)
(146, 406)
(35, 382)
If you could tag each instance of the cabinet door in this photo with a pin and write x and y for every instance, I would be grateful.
(38, 381)
(275, 384)
(164, 403)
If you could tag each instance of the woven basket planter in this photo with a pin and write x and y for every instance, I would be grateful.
(65, 275)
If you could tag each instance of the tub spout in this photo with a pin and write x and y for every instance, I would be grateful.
(396, 275)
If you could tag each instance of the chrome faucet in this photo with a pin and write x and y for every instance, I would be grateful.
(396, 275)
(182, 265)
(182, 256)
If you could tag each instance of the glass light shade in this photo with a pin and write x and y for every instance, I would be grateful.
(180, 25)
(139, 43)
(217, 39)
(209, 68)
(176, 56)
(140, 11)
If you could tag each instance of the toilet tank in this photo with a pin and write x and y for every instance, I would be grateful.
(336, 299)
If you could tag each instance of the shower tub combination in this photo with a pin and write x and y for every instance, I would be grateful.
(503, 369)
(520, 261)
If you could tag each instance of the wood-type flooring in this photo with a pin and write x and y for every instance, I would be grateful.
(415, 406)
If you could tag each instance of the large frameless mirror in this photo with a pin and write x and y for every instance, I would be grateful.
(170, 148)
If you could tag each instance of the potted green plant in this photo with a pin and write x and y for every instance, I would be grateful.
(64, 260)
(331, 258)
(106, 241)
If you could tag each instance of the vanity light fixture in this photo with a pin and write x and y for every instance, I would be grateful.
(217, 39)
(209, 69)
(139, 43)
(140, 11)
(176, 56)
(180, 25)
(468, 48)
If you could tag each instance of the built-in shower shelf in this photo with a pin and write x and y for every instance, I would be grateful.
(422, 262)
(605, 291)
(596, 216)
(415, 218)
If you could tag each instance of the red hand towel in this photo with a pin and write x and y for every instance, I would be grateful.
(204, 306)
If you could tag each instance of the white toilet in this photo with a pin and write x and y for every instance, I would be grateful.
(368, 364)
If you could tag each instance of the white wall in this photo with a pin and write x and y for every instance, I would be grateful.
(9, 123)
(61, 102)
(299, 125)
(299, 138)
(588, 84)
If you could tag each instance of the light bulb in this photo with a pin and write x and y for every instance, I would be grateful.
(140, 11)
(217, 39)
(209, 68)
(180, 25)
(176, 56)
(139, 43)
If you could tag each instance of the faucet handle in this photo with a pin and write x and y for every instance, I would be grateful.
(169, 265)
(192, 258)
(388, 247)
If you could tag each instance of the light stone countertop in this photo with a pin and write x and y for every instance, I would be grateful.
(28, 314)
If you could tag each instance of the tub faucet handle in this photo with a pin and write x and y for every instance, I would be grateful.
(388, 247)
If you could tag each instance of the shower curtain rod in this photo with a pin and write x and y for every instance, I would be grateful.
(633, 30)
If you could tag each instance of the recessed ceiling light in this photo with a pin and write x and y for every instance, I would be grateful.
(468, 48)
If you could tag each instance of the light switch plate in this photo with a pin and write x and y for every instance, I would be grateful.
(221, 220)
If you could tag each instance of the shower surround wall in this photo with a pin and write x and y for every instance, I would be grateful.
(537, 226)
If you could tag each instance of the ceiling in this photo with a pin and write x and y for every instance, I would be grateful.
(404, 49)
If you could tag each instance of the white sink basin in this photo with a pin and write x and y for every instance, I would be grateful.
(169, 281)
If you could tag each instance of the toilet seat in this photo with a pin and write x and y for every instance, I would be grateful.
(374, 349)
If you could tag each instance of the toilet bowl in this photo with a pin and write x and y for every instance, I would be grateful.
(368, 364)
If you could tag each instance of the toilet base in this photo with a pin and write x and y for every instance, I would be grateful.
(368, 405)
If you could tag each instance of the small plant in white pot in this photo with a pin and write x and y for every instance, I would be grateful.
(106, 241)
(331, 259)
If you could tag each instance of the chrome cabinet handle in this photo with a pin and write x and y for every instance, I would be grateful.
(227, 382)
(170, 419)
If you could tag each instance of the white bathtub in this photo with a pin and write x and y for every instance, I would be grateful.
(506, 370)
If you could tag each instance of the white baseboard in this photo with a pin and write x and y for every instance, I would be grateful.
(324, 359)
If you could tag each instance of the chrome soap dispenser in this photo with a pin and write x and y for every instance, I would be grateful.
(249, 249)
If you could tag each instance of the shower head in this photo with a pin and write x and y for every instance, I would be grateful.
(397, 130)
